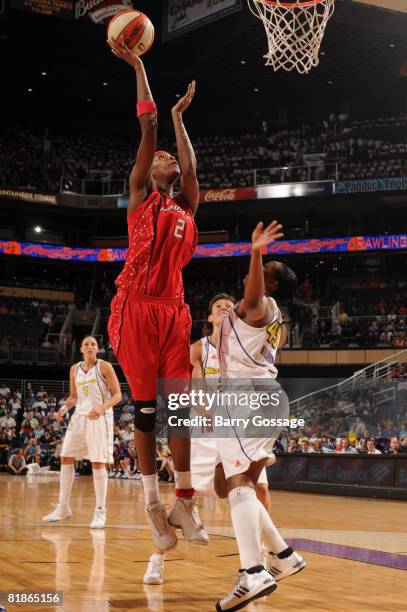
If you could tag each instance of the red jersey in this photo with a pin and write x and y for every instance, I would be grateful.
(162, 240)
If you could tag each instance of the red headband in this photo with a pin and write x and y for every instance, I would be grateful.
(158, 153)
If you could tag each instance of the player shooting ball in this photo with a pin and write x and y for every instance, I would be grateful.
(149, 325)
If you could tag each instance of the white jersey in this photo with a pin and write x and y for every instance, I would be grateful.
(210, 359)
(91, 388)
(249, 352)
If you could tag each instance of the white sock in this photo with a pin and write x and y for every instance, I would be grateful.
(246, 520)
(100, 480)
(66, 479)
(183, 480)
(151, 489)
(270, 534)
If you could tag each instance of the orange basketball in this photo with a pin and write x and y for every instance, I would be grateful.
(134, 28)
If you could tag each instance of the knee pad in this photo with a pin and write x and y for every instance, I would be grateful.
(145, 415)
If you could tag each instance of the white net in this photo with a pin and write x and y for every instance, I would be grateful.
(294, 31)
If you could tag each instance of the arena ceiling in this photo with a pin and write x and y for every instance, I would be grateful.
(364, 57)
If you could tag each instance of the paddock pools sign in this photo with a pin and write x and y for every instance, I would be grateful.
(180, 16)
(394, 183)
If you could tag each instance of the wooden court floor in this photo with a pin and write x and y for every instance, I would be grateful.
(356, 551)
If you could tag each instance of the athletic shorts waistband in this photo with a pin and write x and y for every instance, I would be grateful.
(156, 299)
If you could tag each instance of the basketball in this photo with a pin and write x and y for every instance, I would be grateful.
(134, 28)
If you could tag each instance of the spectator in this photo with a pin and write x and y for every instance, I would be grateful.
(8, 421)
(346, 447)
(371, 447)
(126, 417)
(16, 464)
(4, 447)
(164, 461)
(32, 452)
(394, 446)
(293, 446)
(4, 391)
(305, 446)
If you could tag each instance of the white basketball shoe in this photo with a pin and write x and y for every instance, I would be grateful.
(61, 512)
(154, 572)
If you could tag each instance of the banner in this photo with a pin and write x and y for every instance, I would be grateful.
(371, 185)
(100, 11)
(204, 251)
(27, 196)
(221, 195)
(211, 195)
(180, 16)
(53, 8)
(293, 190)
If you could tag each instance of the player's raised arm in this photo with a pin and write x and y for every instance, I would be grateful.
(186, 154)
(141, 182)
(253, 303)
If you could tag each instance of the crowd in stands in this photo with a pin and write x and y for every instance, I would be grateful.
(362, 149)
(26, 322)
(347, 313)
(362, 421)
(30, 434)
(370, 418)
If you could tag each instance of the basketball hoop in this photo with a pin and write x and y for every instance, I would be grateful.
(294, 31)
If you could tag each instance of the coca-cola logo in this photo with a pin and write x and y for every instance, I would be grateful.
(223, 194)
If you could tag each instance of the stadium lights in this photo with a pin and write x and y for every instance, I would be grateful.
(29, 90)
(88, 99)
(105, 84)
(177, 95)
(43, 74)
(392, 45)
(242, 61)
(38, 229)
(330, 82)
(256, 89)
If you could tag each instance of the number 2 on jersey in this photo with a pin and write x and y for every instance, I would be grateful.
(179, 228)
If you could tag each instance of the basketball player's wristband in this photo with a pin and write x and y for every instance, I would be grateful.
(146, 107)
(64, 409)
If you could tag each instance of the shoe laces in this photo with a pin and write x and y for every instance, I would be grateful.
(154, 566)
(193, 514)
(158, 520)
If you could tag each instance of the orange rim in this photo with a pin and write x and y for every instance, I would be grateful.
(301, 4)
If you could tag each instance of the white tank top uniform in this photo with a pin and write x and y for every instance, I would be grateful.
(91, 388)
(87, 438)
(247, 352)
(250, 352)
(204, 451)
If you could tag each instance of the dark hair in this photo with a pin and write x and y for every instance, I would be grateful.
(89, 336)
(207, 328)
(298, 313)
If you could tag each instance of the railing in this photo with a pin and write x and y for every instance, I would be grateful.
(360, 378)
(296, 174)
(381, 369)
(57, 387)
(93, 187)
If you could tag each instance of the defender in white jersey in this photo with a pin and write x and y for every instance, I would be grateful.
(206, 468)
(249, 338)
(94, 390)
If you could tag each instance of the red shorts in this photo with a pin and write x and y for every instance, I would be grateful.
(150, 337)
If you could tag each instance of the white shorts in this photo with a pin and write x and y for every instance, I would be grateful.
(89, 439)
(206, 454)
